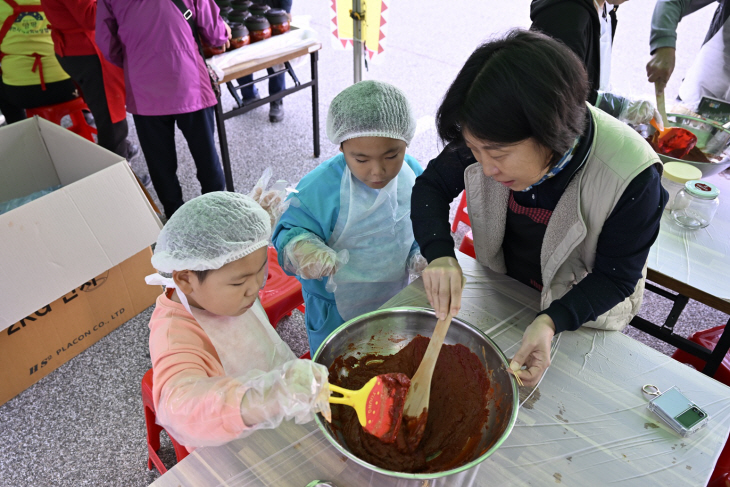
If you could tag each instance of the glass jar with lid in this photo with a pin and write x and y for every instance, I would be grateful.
(695, 204)
(239, 36)
(675, 175)
(279, 20)
(258, 27)
(259, 9)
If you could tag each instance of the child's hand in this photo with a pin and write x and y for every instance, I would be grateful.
(307, 256)
(272, 200)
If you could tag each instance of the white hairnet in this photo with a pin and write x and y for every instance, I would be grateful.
(370, 109)
(210, 231)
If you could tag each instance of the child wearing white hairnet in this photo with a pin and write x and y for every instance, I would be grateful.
(347, 233)
(220, 370)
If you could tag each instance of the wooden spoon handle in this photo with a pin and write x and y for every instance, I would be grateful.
(419, 393)
(661, 104)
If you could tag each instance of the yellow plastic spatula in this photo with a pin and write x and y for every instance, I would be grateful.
(379, 404)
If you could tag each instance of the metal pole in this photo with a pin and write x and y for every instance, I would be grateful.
(357, 19)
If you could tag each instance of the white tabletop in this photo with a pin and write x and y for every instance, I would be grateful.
(700, 258)
(585, 424)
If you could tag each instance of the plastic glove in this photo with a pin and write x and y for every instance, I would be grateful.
(296, 390)
(273, 199)
(210, 411)
(629, 110)
(416, 263)
(308, 257)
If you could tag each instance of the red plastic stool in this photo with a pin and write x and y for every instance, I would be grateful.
(74, 109)
(154, 429)
(281, 294)
(462, 214)
(467, 245)
(720, 481)
(708, 339)
(720, 476)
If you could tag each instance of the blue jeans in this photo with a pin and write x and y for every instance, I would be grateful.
(276, 84)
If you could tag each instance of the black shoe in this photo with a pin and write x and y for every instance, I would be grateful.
(248, 101)
(132, 151)
(89, 118)
(144, 179)
(276, 111)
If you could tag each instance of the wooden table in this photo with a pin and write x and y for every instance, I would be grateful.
(585, 424)
(245, 68)
(695, 264)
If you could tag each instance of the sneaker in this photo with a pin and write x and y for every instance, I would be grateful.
(132, 151)
(248, 101)
(276, 111)
(89, 119)
(144, 179)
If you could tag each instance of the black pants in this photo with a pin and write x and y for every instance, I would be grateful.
(157, 138)
(86, 71)
(15, 99)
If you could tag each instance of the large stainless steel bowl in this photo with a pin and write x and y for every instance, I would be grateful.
(387, 331)
(712, 139)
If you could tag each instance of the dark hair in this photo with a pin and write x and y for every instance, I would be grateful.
(523, 85)
(201, 275)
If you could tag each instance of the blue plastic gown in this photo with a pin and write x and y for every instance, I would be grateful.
(316, 212)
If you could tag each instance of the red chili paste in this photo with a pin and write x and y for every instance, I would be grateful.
(456, 415)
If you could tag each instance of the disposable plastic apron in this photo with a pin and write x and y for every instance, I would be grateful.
(710, 73)
(375, 227)
(245, 343)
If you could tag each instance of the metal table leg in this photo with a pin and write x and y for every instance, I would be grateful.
(315, 101)
(223, 139)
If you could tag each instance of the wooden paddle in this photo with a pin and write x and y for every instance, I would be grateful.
(415, 411)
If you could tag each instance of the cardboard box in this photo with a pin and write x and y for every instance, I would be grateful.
(55, 245)
(38, 344)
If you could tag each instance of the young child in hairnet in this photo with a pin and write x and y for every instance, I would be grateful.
(220, 370)
(347, 232)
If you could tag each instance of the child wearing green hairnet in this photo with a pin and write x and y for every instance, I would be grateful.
(220, 370)
(347, 232)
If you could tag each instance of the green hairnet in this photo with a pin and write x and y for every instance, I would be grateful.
(370, 109)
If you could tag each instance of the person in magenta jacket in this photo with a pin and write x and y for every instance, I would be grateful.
(167, 83)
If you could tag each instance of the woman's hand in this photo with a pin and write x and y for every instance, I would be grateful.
(660, 67)
(228, 33)
(443, 282)
(535, 351)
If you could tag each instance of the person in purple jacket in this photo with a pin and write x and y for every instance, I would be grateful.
(167, 84)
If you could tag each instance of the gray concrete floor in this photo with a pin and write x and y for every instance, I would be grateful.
(83, 424)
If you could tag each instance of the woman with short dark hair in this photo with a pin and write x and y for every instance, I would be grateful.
(561, 196)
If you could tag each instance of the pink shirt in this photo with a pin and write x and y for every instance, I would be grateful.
(198, 399)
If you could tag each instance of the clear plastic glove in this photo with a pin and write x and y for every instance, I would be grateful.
(534, 353)
(297, 390)
(443, 282)
(629, 110)
(212, 411)
(273, 199)
(308, 257)
(416, 263)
